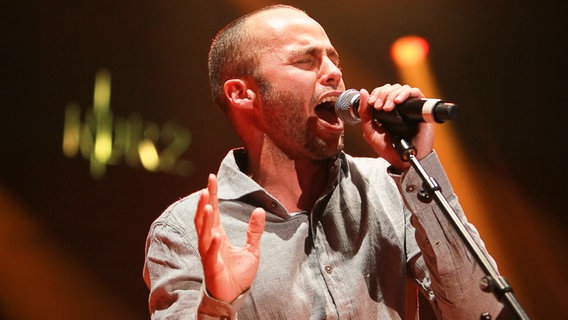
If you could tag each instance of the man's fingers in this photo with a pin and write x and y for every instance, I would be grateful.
(406, 92)
(389, 95)
(213, 188)
(199, 214)
(205, 230)
(210, 261)
(256, 228)
(213, 253)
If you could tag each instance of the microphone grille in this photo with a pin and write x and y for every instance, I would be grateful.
(346, 107)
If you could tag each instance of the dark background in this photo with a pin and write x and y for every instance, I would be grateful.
(72, 245)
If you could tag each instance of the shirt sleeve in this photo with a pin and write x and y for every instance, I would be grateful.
(445, 270)
(173, 273)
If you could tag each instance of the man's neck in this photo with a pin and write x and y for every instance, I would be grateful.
(296, 183)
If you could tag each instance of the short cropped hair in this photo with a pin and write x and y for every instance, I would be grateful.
(232, 54)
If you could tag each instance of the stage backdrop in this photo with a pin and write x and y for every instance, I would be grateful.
(106, 119)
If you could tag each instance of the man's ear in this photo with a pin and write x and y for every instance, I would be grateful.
(239, 93)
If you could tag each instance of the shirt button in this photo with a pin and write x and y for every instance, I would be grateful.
(410, 188)
(273, 204)
(328, 269)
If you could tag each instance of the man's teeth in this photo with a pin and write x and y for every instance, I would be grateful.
(329, 99)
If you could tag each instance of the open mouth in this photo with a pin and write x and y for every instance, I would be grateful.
(326, 110)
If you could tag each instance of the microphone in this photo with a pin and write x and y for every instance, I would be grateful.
(412, 110)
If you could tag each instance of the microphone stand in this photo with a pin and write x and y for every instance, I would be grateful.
(492, 282)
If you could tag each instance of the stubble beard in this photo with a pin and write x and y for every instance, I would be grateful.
(294, 134)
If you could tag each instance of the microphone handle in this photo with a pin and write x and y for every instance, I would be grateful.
(421, 110)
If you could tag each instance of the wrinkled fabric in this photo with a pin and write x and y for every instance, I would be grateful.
(361, 253)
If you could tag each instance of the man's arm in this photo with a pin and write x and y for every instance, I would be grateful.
(454, 275)
(173, 273)
(205, 280)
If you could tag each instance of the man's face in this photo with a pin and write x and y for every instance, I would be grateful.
(299, 68)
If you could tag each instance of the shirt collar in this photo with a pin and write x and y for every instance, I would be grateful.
(235, 184)
(233, 181)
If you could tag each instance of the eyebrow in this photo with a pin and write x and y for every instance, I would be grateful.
(331, 52)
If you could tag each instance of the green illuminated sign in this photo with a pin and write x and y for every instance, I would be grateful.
(104, 139)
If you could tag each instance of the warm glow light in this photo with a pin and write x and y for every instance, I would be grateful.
(103, 145)
(101, 105)
(72, 130)
(101, 97)
(148, 155)
(409, 51)
(103, 138)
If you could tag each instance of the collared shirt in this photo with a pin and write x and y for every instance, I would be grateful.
(351, 257)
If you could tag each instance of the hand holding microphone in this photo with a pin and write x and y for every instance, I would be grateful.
(411, 110)
(411, 119)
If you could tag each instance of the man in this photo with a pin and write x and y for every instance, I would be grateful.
(324, 235)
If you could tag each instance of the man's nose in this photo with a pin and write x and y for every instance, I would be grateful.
(331, 73)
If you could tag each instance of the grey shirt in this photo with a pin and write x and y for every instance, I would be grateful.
(361, 253)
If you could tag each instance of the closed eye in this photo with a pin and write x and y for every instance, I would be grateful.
(306, 62)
